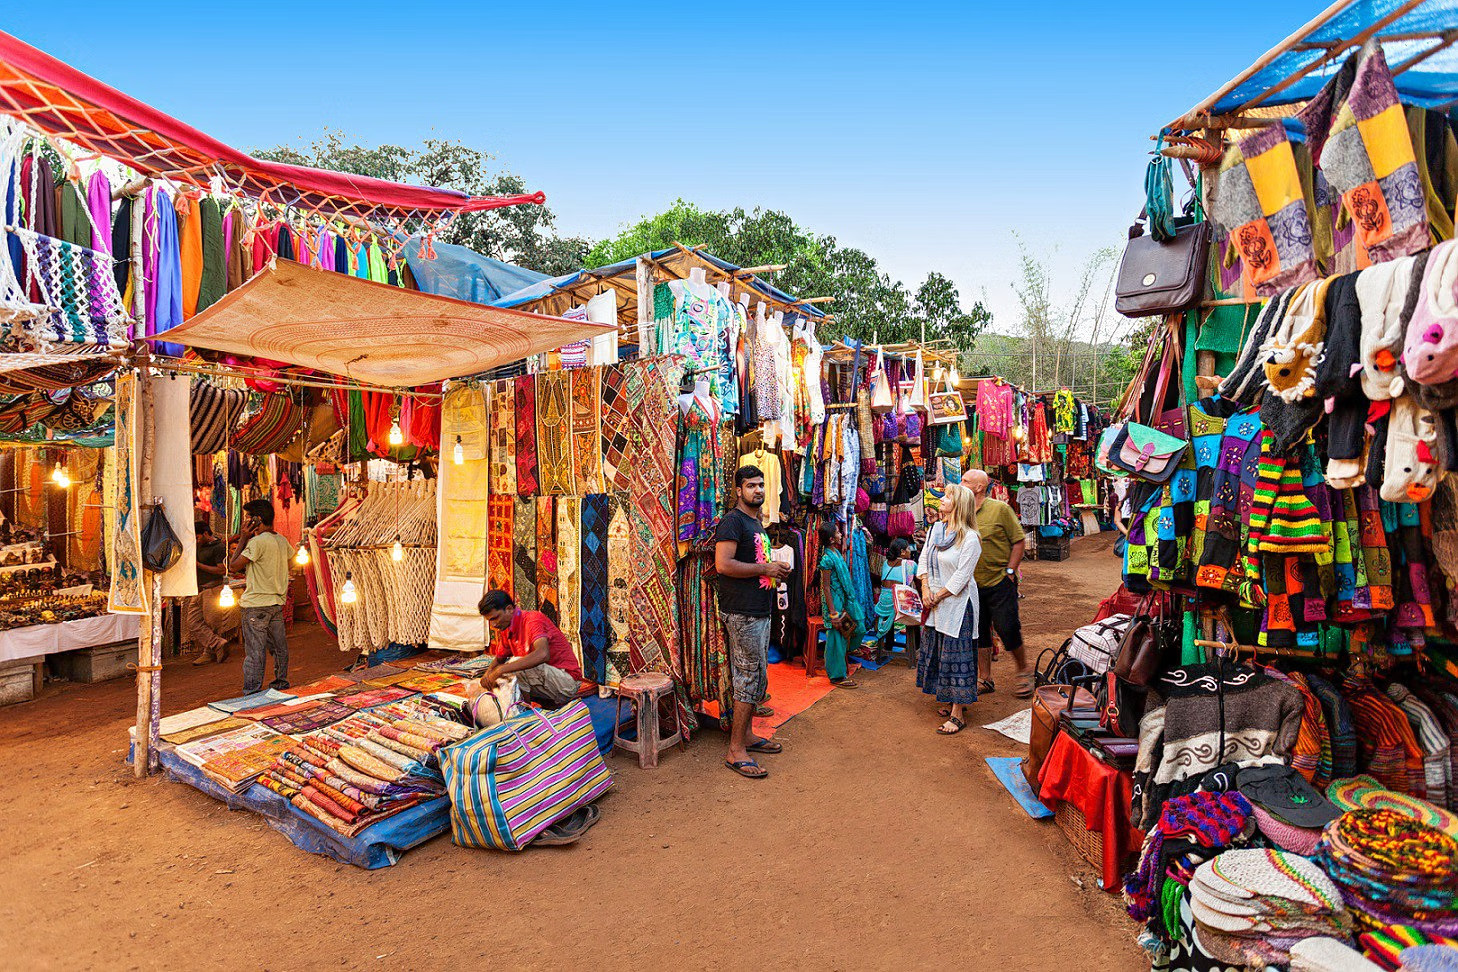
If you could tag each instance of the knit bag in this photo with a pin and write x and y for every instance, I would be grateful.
(270, 428)
(513, 781)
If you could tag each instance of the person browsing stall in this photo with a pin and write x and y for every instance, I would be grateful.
(533, 649)
(947, 665)
(263, 556)
(746, 586)
(1003, 543)
(211, 552)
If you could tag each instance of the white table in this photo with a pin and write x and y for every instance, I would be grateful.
(46, 639)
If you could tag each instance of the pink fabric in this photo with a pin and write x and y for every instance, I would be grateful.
(994, 408)
(151, 244)
(98, 202)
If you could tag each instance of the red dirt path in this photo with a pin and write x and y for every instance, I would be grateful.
(874, 844)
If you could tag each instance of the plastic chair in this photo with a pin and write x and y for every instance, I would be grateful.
(644, 692)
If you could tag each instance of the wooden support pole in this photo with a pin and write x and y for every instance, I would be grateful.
(148, 639)
(646, 345)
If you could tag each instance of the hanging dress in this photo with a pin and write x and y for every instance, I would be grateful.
(696, 480)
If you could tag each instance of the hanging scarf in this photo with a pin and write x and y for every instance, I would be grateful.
(526, 435)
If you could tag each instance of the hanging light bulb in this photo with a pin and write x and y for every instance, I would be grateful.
(347, 593)
(302, 557)
(60, 477)
(955, 378)
(396, 436)
(937, 375)
(225, 596)
(458, 454)
(397, 552)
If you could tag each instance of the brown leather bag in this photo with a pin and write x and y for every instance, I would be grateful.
(1141, 656)
(1048, 701)
(1162, 278)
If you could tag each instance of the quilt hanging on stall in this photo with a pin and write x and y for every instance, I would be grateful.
(554, 433)
(525, 395)
(503, 438)
(586, 433)
(128, 589)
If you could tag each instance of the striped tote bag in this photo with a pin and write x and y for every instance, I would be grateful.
(512, 781)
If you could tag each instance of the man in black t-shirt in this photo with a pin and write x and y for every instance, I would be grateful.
(210, 573)
(747, 578)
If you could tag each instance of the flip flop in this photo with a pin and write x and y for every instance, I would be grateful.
(767, 746)
(764, 711)
(942, 729)
(844, 683)
(985, 686)
(742, 768)
(569, 829)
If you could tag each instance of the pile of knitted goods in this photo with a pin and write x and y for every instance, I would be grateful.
(1252, 906)
(1393, 871)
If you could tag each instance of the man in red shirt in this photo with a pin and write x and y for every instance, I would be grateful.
(534, 650)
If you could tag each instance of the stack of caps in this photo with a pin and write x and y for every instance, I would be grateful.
(1328, 955)
(1393, 870)
(1365, 793)
(1288, 811)
(1252, 906)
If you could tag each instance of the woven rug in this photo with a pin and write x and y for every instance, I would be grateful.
(128, 592)
(525, 388)
(586, 431)
(554, 432)
(502, 396)
(596, 515)
(500, 511)
(547, 558)
(569, 571)
(524, 556)
(620, 579)
(614, 429)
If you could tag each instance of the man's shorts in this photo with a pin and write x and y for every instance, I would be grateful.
(748, 656)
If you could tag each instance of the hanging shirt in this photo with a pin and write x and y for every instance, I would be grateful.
(769, 464)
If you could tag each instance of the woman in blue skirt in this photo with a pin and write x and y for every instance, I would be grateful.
(947, 667)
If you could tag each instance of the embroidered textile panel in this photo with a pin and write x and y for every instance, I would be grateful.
(525, 387)
(503, 437)
(554, 433)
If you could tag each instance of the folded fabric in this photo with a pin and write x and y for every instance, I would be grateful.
(266, 697)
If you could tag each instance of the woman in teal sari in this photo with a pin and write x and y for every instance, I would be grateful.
(845, 624)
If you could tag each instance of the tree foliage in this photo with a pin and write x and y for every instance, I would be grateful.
(523, 235)
(868, 303)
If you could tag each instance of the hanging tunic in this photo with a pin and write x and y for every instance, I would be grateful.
(696, 481)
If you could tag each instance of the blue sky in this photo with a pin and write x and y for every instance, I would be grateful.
(925, 134)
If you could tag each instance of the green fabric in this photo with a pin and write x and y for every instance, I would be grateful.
(215, 255)
(73, 218)
(1000, 531)
(1221, 330)
(836, 598)
(1190, 653)
(267, 576)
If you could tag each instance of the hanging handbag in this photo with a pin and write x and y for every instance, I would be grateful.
(161, 550)
(881, 398)
(1162, 273)
(1141, 450)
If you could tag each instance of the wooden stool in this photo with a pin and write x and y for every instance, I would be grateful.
(644, 692)
(813, 627)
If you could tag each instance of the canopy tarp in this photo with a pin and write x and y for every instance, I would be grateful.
(462, 273)
(63, 102)
(370, 332)
(1418, 38)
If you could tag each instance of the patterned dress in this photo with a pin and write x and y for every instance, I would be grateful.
(697, 480)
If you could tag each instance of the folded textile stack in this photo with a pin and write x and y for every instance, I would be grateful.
(1366, 793)
(1393, 870)
(1430, 958)
(365, 768)
(1252, 906)
(234, 759)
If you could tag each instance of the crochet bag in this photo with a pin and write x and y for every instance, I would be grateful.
(511, 782)
(80, 288)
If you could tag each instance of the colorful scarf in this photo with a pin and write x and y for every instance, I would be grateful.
(500, 511)
(270, 428)
(526, 435)
(596, 633)
(502, 396)
(554, 432)
(524, 556)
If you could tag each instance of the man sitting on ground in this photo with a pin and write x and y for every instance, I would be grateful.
(532, 648)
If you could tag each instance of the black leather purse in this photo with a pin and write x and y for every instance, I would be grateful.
(1162, 278)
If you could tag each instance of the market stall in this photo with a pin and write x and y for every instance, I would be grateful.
(1283, 708)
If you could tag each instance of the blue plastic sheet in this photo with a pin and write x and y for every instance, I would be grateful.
(464, 274)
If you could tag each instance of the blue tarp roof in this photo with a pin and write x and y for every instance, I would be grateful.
(1432, 83)
(464, 274)
(545, 287)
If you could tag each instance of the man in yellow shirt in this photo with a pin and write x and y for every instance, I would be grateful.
(996, 574)
(264, 556)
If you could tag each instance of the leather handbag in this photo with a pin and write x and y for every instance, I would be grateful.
(1146, 453)
(1162, 278)
(1049, 701)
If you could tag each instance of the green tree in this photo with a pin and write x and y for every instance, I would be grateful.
(517, 234)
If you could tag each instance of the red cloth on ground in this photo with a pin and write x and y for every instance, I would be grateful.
(1100, 792)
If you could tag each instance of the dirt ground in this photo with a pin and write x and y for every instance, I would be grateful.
(874, 844)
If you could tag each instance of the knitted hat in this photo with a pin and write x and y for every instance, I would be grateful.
(1246, 382)
(1298, 840)
(1430, 348)
(1366, 793)
(1295, 345)
(1411, 460)
(1444, 512)
(1429, 958)
(1382, 291)
(1328, 955)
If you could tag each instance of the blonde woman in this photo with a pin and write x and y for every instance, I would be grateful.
(947, 667)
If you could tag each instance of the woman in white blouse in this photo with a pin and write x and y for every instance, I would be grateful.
(947, 667)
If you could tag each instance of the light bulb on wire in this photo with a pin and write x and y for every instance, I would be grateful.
(396, 436)
(60, 477)
(397, 552)
(458, 454)
(302, 557)
(937, 377)
(225, 596)
(347, 593)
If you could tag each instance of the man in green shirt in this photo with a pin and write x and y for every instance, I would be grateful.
(264, 556)
(996, 574)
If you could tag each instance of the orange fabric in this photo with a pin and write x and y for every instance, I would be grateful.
(190, 242)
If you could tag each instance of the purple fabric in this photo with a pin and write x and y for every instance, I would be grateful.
(98, 202)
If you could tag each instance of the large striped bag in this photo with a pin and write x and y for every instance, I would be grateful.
(513, 781)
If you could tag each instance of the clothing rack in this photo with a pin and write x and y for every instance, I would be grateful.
(1256, 650)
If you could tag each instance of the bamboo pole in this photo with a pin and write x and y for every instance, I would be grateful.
(148, 687)
(142, 753)
(644, 274)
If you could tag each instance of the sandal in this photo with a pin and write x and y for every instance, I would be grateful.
(745, 769)
(958, 723)
(1024, 683)
(764, 711)
(845, 683)
(986, 686)
(767, 746)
